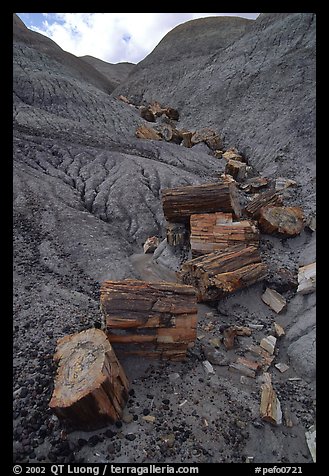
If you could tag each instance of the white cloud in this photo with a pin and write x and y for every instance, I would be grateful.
(114, 37)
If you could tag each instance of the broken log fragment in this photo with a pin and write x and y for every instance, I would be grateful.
(170, 134)
(151, 244)
(274, 300)
(237, 169)
(181, 202)
(270, 197)
(216, 231)
(307, 279)
(147, 114)
(233, 154)
(150, 319)
(143, 132)
(268, 343)
(270, 408)
(254, 184)
(187, 139)
(284, 221)
(222, 272)
(91, 388)
(172, 113)
(209, 136)
(156, 108)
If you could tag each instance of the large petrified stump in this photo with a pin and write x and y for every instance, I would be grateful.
(182, 202)
(217, 274)
(91, 388)
(216, 231)
(150, 319)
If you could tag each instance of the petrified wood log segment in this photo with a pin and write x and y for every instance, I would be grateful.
(181, 202)
(284, 221)
(143, 132)
(209, 136)
(150, 319)
(270, 197)
(237, 169)
(91, 388)
(270, 408)
(216, 231)
(307, 279)
(222, 272)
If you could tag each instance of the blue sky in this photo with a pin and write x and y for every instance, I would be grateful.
(112, 37)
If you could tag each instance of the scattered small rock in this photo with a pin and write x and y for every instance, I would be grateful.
(208, 367)
(282, 367)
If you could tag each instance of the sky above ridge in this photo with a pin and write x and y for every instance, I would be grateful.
(112, 37)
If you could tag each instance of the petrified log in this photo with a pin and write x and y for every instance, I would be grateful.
(284, 221)
(265, 359)
(91, 388)
(237, 169)
(181, 202)
(222, 272)
(187, 139)
(170, 134)
(215, 231)
(209, 136)
(282, 183)
(143, 132)
(233, 154)
(156, 108)
(254, 184)
(172, 113)
(147, 114)
(270, 197)
(150, 319)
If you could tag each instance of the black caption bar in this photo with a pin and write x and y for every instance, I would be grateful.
(157, 469)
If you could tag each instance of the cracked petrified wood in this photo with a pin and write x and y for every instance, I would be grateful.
(150, 319)
(91, 388)
(216, 231)
(217, 274)
(270, 197)
(270, 407)
(182, 202)
(283, 221)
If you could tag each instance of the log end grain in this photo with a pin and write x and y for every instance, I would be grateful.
(91, 387)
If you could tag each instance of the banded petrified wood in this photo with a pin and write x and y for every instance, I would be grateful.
(216, 231)
(182, 202)
(270, 197)
(91, 388)
(217, 274)
(150, 319)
